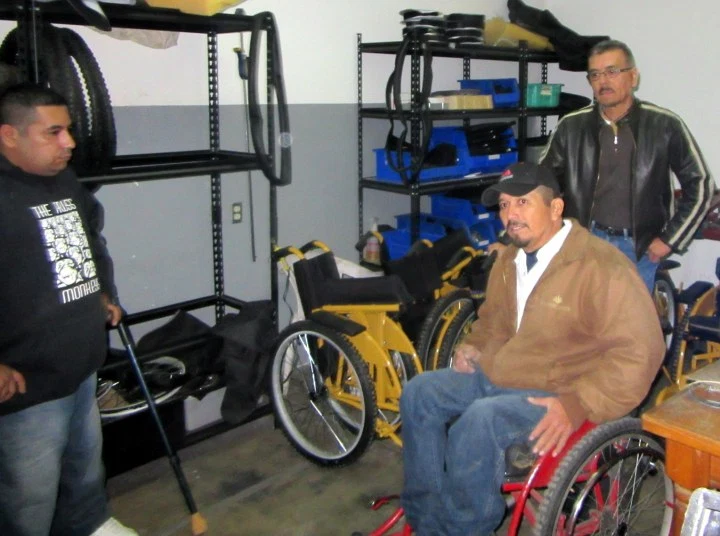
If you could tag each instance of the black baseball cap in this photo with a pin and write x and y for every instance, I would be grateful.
(520, 179)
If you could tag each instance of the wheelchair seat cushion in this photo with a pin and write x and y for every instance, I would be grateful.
(319, 283)
(419, 271)
(372, 290)
(445, 249)
(705, 327)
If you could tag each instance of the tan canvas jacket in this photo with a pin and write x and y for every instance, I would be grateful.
(590, 332)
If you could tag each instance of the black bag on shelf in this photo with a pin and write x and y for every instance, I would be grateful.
(571, 48)
(184, 328)
(247, 339)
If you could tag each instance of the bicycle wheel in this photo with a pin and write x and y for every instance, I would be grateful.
(323, 397)
(436, 323)
(456, 331)
(122, 396)
(611, 482)
(664, 296)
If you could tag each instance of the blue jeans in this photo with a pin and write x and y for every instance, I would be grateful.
(52, 479)
(453, 475)
(645, 267)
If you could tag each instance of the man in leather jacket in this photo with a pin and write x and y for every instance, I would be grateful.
(615, 161)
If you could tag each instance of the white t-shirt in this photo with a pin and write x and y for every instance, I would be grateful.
(526, 281)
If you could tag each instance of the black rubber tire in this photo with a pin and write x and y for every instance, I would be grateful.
(68, 66)
(302, 394)
(441, 312)
(678, 346)
(660, 384)
(101, 137)
(406, 370)
(609, 451)
(119, 395)
(665, 298)
(55, 72)
(457, 329)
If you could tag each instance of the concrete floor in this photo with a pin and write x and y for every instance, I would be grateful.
(250, 481)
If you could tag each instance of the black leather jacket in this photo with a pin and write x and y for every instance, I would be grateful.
(663, 144)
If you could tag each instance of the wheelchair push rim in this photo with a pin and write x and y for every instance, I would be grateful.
(612, 482)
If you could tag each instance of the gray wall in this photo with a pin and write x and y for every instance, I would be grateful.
(159, 232)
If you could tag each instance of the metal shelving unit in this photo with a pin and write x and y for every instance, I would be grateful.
(212, 162)
(523, 56)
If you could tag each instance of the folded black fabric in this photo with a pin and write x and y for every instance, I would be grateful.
(571, 48)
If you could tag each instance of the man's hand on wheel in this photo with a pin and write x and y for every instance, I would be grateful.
(553, 430)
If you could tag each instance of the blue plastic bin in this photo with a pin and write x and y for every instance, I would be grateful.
(398, 243)
(495, 163)
(385, 173)
(465, 164)
(426, 224)
(451, 135)
(462, 209)
(491, 163)
(505, 91)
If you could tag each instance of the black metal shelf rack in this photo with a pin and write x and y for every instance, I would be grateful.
(415, 189)
(211, 162)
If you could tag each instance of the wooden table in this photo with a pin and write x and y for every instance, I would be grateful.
(692, 432)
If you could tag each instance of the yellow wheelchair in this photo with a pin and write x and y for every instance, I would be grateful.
(695, 339)
(338, 368)
(447, 295)
(337, 375)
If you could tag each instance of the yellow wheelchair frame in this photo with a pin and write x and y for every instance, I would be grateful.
(387, 354)
(696, 303)
(455, 300)
(339, 367)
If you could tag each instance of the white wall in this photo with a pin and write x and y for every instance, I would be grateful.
(675, 46)
(318, 41)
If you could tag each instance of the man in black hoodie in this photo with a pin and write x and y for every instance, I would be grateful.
(56, 296)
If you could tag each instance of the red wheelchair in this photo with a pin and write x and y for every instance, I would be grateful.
(609, 479)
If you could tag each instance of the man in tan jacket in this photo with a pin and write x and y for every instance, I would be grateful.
(568, 333)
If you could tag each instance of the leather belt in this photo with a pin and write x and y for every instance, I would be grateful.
(612, 231)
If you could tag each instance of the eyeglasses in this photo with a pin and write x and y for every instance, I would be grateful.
(610, 72)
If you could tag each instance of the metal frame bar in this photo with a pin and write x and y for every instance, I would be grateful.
(130, 168)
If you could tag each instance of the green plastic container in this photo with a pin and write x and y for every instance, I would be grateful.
(543, 95)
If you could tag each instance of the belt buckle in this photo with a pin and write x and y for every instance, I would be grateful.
(613, 231)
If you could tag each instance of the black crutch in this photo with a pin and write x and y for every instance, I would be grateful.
(197, 521)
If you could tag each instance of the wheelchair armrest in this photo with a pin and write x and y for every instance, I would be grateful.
(694, 292)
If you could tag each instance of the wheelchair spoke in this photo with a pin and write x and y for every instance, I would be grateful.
(301, 346)
(322, 395)
(341, 444)
(611, 483)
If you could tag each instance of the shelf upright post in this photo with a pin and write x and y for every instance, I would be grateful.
(415, 121)
(466, 76)
(543, 80)
(271, 54)
(361, 209)
(523, 119)
(29, 36)
(215, 181)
